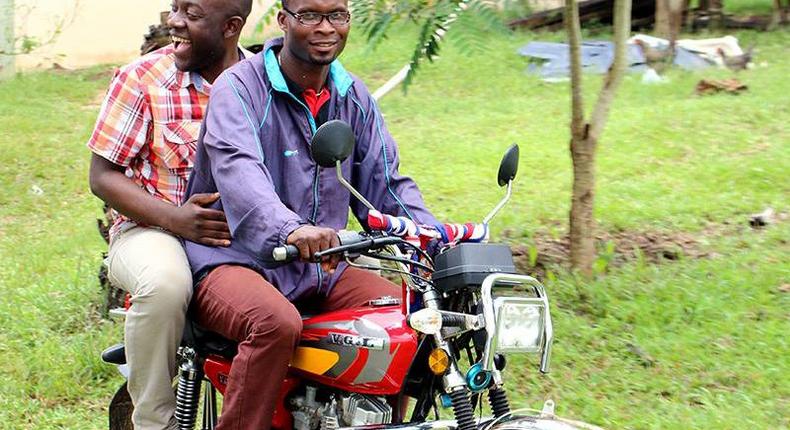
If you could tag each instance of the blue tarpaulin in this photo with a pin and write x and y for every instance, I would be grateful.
(597, 56)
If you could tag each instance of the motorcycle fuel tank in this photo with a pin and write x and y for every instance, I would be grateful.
(365, 350)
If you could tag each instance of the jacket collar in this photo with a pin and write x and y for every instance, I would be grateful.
(338, 76)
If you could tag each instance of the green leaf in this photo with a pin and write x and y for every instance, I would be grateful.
(435, 19)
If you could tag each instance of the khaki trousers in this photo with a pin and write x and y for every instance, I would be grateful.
(152, 267)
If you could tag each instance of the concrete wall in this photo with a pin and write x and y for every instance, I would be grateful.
(93, 31)
(6, 38)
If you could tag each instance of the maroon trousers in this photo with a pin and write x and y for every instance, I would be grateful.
(241, 305)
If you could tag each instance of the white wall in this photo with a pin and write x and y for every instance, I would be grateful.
(6, 37)
(94, 31)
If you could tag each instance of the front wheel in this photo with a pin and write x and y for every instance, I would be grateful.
(121, 409)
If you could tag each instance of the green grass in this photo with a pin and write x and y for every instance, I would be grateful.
(747, 7)
(669, 160)
(49, 249)
(715, 328)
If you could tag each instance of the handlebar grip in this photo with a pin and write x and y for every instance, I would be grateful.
(285, 253)
(288, 253)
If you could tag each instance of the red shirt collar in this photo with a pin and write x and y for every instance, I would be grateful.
(315, 100)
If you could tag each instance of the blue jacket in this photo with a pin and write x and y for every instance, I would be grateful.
(254, 148)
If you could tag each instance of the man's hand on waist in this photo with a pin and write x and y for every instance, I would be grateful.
(311, 239)
(195, 222)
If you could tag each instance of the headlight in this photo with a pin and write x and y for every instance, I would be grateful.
(520, 324)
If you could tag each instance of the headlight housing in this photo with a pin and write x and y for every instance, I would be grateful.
(526, 325)
(520, 324)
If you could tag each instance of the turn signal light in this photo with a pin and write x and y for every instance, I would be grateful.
(438, 361)
(428, 321)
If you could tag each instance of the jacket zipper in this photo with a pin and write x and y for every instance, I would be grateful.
(315, 188)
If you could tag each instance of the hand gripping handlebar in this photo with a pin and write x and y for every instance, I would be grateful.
(349, 242)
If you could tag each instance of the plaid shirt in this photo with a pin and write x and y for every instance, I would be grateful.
(149, 123)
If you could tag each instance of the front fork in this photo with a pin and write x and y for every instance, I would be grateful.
(456, 385)
(497, 397)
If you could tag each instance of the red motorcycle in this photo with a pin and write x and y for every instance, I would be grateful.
(440, 344)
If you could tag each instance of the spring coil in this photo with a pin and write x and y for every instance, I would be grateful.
(462, 409)
(499, 404)
(187, 399)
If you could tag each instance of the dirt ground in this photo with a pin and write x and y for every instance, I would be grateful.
(544, 251)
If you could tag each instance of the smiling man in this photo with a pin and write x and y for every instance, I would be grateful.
(254, 150)
(143, 150)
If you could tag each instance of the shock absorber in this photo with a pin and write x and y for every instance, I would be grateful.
(462, 409)
(188, 390)
(498, 399)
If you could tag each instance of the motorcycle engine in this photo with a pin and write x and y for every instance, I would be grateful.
(345, 410)
(360, 410)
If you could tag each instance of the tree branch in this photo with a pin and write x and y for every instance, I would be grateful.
(25, 44)
(622, 29)
(573, 27)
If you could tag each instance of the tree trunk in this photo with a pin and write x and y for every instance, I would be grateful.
(716, 14)
(584, 136)
(669, 18)
(7, 38)
(676, 8)
(582, 222)
(662, 27)
(779, 16)
(581, 225)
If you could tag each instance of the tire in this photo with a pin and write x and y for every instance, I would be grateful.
(120, 411)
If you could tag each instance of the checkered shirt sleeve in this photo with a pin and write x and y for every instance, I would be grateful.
(123, 124)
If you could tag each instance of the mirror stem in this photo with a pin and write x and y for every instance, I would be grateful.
(499, 206)
(351, 188)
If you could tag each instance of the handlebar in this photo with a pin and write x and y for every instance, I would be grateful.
(285, 253)
(349, 242)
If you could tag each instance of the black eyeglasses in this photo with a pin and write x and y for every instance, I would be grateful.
(312, 19)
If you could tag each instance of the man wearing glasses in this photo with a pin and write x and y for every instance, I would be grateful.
(254, 149)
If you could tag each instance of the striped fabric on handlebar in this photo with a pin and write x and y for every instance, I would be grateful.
(422, 234)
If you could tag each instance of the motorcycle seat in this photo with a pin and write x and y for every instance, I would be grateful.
(204, 341)
(208, 342)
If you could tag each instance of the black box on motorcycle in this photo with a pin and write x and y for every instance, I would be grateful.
(468, 264)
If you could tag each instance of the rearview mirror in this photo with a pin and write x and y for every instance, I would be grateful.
(508, 167)
(507, 172)
(332, 142)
